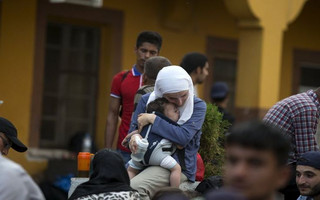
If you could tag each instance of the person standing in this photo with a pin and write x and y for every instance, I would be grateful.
(297, 117)
(197, 66)
(220, 96)
(123, 88)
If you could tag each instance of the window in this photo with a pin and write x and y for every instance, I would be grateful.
(70, 83)
(309, 76)
(222, 56)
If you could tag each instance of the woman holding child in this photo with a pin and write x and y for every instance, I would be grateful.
(174, 84)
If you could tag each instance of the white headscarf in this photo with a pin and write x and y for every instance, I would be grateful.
(174, 79)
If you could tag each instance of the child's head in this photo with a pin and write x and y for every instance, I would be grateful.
(163, 106)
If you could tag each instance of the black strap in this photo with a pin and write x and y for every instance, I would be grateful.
(125, 75)
(167, 149)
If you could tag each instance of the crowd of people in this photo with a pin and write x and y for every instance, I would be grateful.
(158, 101)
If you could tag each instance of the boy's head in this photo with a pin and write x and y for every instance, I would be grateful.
(256, 157)
(308, 174)
(163, 106)
(148, 45)
(152, 67)
(219, 92)
(196, 64)
(151, 37)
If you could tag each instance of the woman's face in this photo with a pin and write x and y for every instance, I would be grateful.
(177, 98)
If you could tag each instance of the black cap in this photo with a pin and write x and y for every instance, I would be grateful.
(219, 90)
(7, 128)
(311, 158)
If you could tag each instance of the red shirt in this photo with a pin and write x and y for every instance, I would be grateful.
(124, 86)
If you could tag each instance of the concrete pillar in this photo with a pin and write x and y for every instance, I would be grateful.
(261, 26)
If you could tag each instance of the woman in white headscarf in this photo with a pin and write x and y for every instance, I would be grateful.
(175, 84)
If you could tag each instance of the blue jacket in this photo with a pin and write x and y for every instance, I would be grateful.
(186, 135)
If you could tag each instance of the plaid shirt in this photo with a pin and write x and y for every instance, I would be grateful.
(297, 116)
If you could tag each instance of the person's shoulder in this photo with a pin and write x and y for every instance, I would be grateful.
(199, 102)
(10, 169)
(146, 96)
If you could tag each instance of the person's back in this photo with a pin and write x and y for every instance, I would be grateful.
(109, 179)
(16, 184)
(151, 69)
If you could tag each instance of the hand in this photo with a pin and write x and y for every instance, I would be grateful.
(144, 119)
(133, 144)
(125, 141)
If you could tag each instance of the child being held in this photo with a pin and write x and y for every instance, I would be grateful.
(159, 150)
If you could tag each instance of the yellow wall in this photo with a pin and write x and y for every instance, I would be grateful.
(209, 18)
(17, 39)
(303, 33)
(185, 30)
(16, 61)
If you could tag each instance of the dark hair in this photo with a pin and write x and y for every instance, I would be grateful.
(168, 193)
(157, 105)
(151, 37)
(260, 136)
(153, 65)
(192, 60)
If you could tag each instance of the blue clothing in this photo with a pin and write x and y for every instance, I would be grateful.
(304, 198)
(186, 135)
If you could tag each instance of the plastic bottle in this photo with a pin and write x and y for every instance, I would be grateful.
(141, 150)
(84, 159)
(86, 145)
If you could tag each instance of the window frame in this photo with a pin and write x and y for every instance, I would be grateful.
(104, 18)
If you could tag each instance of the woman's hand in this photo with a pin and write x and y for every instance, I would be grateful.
(133, 144)
(125, 141)
(144, 119)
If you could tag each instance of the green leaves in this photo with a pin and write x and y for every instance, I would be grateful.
(212, 139)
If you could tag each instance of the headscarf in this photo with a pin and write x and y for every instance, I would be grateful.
(173, 79)
(109, 175)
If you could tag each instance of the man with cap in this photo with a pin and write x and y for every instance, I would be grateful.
(15, 181)
(220, 97)
(9, 137)
(308, 175)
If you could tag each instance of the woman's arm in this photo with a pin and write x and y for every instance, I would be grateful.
(182, 134)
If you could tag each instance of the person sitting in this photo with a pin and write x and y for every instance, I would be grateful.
(159, 150)
(9, 138)
(175, 84)
(109, 179)
(308, 175)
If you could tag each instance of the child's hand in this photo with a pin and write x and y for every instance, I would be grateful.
(125, 141)
(144, 119)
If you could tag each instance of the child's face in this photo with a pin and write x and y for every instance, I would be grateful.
(172, 112)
